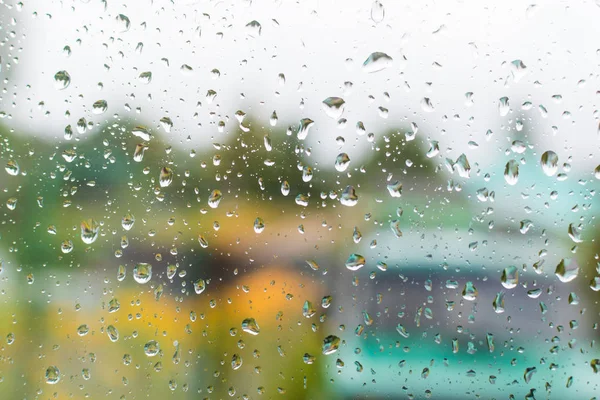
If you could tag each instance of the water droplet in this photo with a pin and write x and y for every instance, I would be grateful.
(518, 70)
(166, 177)
(349, 197)
(377, 61)
(342, 161)
(52, 375)
(62, 80)
(525, 226)
(142, 273)
(307, 173)
(567, 270)
(123, 22)
(355, 262)
(253, 29)
(462, 166)
(308, 310)
(330, 344)
(503, 106)
(395, 227)
(83, 330)
(250, 326)
(12, 168)
(145, 77)
(574, 233)
(529, 374)
(151, 348)
(285, 188)
(427, 105)
(199, 286)
(498, 303)
(215, 198)
(334, 107)
(89, 231)
(99, 107)
(236, 362)
(66, 246)
(549, 163)
(434, 149)
(356, 235)
(305, 125)
(142, 132)
(402, 331)
(127, 221)
(377, 12)
(395, 189)
(510, 277)
(113, 333)
(511, 172)
(259, 225)
(469, 292)
(121, 273)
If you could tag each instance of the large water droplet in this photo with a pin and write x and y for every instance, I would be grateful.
(503, 106)
(377, 61)
(142, 273)
(250, 326)
(349, 197)
(305, 125)
(511, 172)
(113, 333)
(166, 177)
(199, 286)
(89, 231)
(236, 362)
(549, 163)
(253, 29)
(151, 348)
(12, 168)
(62, 80)
(355, 262)
(510, 277)
(334, 107)
(469, 292)
(215, 198)
(377, 12)
(330, 344)
(99, 107)
(259, 225)
(127, 221)
(52, 375)
(342, 161)
(567, 270)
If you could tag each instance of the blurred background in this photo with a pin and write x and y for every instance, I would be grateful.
(319, 199)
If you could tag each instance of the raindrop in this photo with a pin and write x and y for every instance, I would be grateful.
(89, 231)
(334, 107)
(166, 177)
(250, 326)
(567, 270)
(549, 163)
(349, 197)
(52, 375)
(511, 172)
(377, 61)
(305, 125)
(330, 344)
(142, 273)
(510, 277)
(355, 262)
(62, 80)
(151, 348)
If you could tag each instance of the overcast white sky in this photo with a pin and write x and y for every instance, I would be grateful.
(473, 42)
